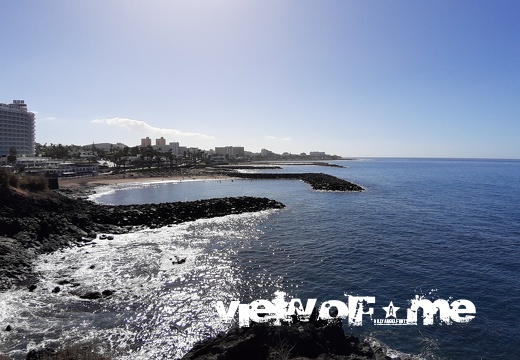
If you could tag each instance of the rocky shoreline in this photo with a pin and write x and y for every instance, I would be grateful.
(300, 341)
(36, 223)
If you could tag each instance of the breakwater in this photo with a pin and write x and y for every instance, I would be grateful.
(318, 181)
(32, 224)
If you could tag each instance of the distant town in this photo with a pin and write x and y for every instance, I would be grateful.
(20, 151)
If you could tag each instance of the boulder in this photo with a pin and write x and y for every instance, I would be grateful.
(107, 293)
(91, 295)
(46, 352)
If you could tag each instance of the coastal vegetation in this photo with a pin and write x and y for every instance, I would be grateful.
(24, 182)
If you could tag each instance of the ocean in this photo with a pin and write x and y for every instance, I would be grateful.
(435, 229)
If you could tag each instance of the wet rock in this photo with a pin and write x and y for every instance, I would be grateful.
(91, 295)
(8, 328)
(300, 341)
(40, 354)
(178, 260)
(318, 181)
(107, 293)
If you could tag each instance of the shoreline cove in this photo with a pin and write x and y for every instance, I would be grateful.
(42, 223)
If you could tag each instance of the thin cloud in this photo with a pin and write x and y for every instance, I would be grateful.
(49, 118)
(147, 129)
(270, 137)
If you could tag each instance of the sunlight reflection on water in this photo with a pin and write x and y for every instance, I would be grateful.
(159, 308)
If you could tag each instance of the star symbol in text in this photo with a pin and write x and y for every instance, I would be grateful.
(390, 310)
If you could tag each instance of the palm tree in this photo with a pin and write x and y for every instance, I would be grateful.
(11, 158)
(171, 158)
(158, 158)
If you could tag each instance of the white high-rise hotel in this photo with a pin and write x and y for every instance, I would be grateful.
(16, 128)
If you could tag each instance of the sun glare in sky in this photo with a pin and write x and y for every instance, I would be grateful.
(352, 78)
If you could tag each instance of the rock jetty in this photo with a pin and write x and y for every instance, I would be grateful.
(318, 181)
(35, 223)
(298, 341)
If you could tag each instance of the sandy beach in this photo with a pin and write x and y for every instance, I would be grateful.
(101, 180)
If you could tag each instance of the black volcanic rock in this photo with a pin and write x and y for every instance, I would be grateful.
(40, 354)
(299, 341)
(91, 295)
(107, 293)
(318, 181)
(32, 224)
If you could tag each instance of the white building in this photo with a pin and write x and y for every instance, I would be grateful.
(16, 129)
(108, 146)
(265, 152)
(230, 150)
(174, 146)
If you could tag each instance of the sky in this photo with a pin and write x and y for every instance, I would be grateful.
(364, 78)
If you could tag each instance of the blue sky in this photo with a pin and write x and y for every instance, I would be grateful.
(353, 78)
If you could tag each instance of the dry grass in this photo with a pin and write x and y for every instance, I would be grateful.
(30, 183)
(8, 178)
(282, 351)
(34, 183)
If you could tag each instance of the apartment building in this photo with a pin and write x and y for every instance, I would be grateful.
(146, 142)
(230, 150)
(16, 129)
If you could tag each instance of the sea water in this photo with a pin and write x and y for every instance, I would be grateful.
(434, 228)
